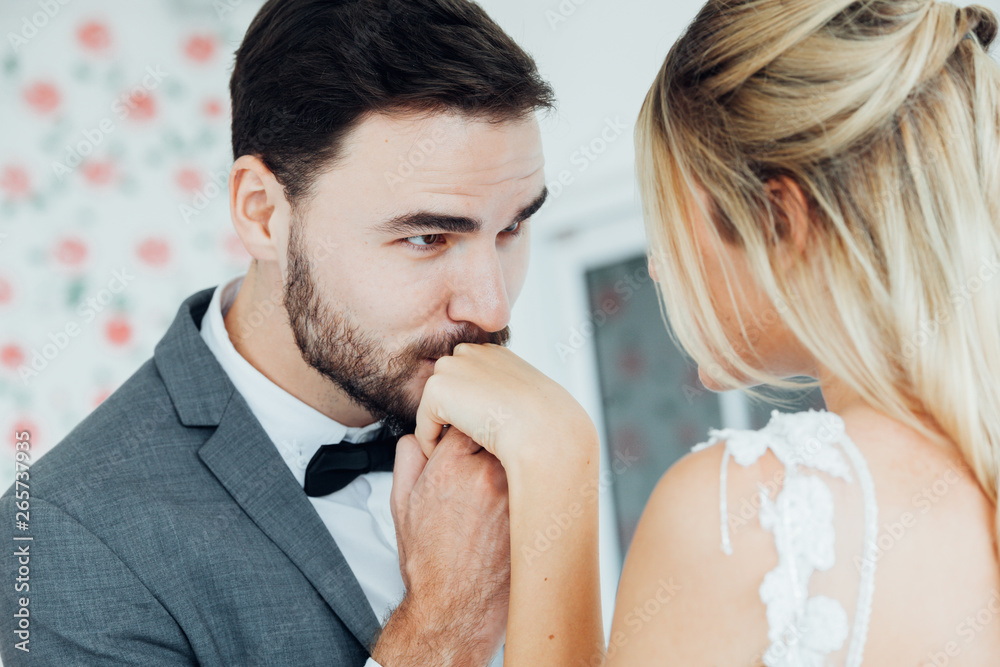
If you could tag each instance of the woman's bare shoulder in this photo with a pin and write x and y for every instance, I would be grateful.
(679, 592)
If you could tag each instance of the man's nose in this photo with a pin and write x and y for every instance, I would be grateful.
(479, 293)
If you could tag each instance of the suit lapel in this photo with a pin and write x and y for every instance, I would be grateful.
(243, 459)
(246, 462)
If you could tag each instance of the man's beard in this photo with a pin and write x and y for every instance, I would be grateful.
(331, 343)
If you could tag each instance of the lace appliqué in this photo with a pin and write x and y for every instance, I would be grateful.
(803, 630)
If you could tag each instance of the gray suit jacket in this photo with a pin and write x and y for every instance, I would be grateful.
(167, 530)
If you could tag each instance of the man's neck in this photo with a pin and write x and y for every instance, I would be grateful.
(257, 325)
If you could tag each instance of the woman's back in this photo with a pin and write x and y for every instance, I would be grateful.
(937, 584)
(930, 579)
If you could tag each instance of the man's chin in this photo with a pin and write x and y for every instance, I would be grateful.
(404, 423)
(413, 388)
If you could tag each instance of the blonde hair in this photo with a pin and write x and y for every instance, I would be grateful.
(886, 114)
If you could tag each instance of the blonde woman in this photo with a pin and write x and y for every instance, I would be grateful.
(821, 181)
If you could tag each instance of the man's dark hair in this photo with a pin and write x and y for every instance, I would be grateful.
(309, 70)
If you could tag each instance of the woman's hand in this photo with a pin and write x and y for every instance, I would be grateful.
(500, 401)
(550, 451)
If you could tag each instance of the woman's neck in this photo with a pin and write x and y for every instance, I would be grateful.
(841, 399)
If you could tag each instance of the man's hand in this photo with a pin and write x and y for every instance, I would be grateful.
(453, 531)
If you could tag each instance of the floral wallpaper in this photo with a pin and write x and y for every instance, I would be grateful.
(114, 162)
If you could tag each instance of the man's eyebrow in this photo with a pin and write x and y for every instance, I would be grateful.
(531, 208)
(410, 224)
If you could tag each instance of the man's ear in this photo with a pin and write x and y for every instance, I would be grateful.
(792, 211)
(254, 198)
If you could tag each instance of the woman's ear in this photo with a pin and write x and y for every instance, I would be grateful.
(792, 210)
(252, 206)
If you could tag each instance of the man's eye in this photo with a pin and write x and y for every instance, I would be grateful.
(426, 242)
(515, 229)
(421, 241)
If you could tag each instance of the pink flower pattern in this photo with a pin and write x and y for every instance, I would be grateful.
(97, 254)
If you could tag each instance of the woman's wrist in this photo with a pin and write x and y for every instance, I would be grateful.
(546, 461)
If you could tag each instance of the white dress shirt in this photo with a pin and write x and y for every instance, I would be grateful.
(358, 516)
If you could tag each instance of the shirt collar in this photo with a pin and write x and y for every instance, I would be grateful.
(297, 429)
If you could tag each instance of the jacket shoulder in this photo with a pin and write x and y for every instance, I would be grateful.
(134, 436)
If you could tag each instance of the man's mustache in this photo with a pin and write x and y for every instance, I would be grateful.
(479, 337)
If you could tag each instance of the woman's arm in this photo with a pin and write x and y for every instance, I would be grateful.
(555, 602)
(550, 450)
(681, 600)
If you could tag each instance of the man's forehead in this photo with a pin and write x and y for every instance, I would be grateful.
(439, 163)
(445, 150)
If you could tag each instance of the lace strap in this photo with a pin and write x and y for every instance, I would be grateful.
(727, 546)
(805, 542)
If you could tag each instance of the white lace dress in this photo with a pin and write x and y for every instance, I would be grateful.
(803, 629)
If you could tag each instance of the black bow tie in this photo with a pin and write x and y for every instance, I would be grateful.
(333, 467)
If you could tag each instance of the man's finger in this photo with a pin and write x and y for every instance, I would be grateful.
(429, 427)
(457, 443)
(410, 462)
